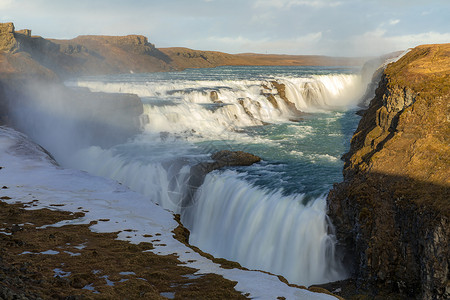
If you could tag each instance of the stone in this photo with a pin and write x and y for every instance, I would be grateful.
(214, 96)
(8, 42)
(235, 158)
(392, 210)
(26, 32)
(223, 158)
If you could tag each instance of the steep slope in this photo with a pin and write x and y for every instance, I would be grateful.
(114, 54)
(392, 210)
(85, 55)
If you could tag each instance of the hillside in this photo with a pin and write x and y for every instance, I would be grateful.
(188, 58)
(20, 51)
(392, 210)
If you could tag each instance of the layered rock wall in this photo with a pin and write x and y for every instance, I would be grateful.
(32, 95)
(392, 210)
(7, 40)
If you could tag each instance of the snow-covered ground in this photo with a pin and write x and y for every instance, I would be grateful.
(30, 174)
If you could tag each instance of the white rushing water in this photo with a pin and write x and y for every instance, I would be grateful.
(213, 107)
(263, 229)
(270, 216)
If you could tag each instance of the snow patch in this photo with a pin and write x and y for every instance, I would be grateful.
(31, 173)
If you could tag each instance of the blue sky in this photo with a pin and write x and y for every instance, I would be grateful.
(325, 27)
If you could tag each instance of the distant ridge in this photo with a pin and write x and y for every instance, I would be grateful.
(188, 58)
(95, 55)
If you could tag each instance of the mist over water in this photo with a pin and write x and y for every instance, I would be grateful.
(269, 216)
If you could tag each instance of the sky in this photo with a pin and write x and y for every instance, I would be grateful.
(303, 27)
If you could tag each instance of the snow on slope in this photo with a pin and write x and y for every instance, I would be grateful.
(31, 174)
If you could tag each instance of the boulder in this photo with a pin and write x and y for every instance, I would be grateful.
(227, 158)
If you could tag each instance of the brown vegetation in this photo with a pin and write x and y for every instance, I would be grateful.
(392, 210)
(87, 265)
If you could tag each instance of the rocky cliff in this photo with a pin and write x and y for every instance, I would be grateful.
(93, 55)
(32, 93)
(7, 42)
(392, 210)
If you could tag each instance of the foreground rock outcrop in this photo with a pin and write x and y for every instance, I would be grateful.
(392, 211)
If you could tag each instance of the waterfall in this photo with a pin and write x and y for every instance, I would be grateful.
(263, 229)
(229, 217)
(213, 108)
(232, 215)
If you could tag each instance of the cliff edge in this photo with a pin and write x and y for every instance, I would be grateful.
(22, 52)
(392, 209)
(32, 92)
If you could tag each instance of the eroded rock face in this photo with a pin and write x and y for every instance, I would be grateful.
(7, 41)
(392, 210)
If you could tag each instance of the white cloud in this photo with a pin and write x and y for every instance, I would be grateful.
(4, 4)
(411, 40)
(329, 27)
(394, 22)
(239, 44)
(292, 3)
(377, 42)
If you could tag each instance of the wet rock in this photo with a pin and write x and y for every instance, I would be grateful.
(214, 96)
(234, 158)
(223, 158)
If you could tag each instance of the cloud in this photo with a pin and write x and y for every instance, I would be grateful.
(4, 4)
(292, 3)
(411, 40)
(328, 27)
(241, 44)
(378, 42)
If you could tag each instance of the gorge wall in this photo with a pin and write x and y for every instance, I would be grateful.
(94, 55)
(392, 210)
(32, 93)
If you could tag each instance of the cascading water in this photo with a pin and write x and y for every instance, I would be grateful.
(218, 105)
(270, 216)
(263, 229)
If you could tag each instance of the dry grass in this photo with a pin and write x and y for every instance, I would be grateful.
(97, 265)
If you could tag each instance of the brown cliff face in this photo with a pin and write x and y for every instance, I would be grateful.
(113, 54)
(31, 91)
(392, 210)
(95, 55)
(7, 40)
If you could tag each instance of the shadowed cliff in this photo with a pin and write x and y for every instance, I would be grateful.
(392, 210)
